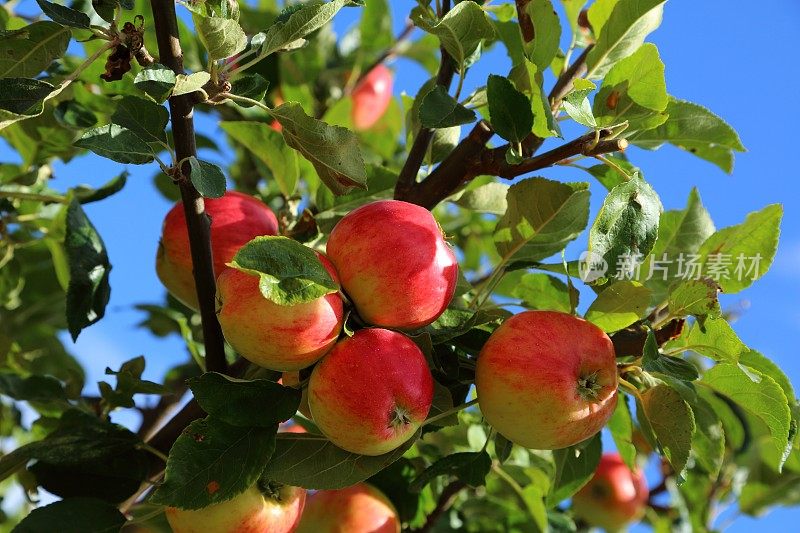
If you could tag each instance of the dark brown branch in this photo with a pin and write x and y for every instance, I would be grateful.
(565, 82)
(631, 341)
(198, 223)
(406, 181)
(525, 22)
(445, 501)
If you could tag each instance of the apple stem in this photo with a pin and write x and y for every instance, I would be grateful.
(449, 412)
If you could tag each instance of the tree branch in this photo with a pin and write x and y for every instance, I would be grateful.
(564, 83)
(406, 181)
(445, 501)
(630, 341)
(525, 22)
(198, 223)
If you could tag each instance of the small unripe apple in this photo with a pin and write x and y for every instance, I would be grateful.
(371, 392)
(277, 337)
(357, 509)
(394, 264)
(371, 97)
(615, 497)
(272, 507)
(547, 380)
(236, 219)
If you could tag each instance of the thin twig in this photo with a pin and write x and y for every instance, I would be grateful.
(199, 224)
(445, 501)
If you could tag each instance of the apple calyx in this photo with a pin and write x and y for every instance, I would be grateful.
(589, 388)
(399, 417)
(271, 490)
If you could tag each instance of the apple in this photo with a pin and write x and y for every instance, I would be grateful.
(292, 379)
(394, 264)
(273, 336)
(372, 392)
(547, 380)
(371, 97)
(236, 219)
(615, 497)
(357, 509)
(291, 427)
(263, 507)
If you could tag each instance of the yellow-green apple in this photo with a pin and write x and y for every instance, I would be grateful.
(357, 509)
(615, 497)
(371, 97)
(547, 380)
(236, 219)
(371, 392)
(265, 507)
(394, 264)
(277, 337)
(292, 379)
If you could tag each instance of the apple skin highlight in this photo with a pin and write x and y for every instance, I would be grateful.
(357, 509)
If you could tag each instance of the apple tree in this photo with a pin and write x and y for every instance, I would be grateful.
(389, 303)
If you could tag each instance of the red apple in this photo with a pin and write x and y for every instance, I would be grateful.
(269, 508)
(371, 97)
(357, 509)
(394, 264)
(291, 427)
(614, 497)
(371, 392)
(236, 219)
(547, 380)
(292, 379)
(278, 337)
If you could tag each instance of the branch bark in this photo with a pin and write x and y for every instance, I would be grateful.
(445, 501)
(197, 221)
(525, 22)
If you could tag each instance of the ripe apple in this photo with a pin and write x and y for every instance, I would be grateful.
(357, 509)
(292, 379)
(371, 97)
(547, 380)
(277, 337)
(236, 219)
(394, 264)
(264, 507)
(614, 497)
(371, 392)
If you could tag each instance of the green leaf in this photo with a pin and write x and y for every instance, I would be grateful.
(268, 145)
(512, 118)
(547, 26)
(737, 256)
(313, 462)
(502, 448)
(289, 273)
(469, 467)
(708, 444)
(538, 291)
(757, 394)
(211, 462)
(75, 115)
(573, 8)
(487, 198)
(89, 290)
(634, 90)
(620, 425)
(144, 118)
(530, 81)
(156, 81)
(32, 49)
(599, 13)
(32, 388)
(758, 361)
(713, 338)
(577, 106)
(623, 33)
(625, 230)
(242, 403)
(610, 177)
(695, 129)
(116, 143)
(671, 420)
(286, 31)
(542, 217)
(19, 95)
(86, 195)
(698, 297)
(460, 31)
(74, 515)
(222, 37)
(334, 151)
(129, 383)
(207, 178)
(187, 84)
(619, 306)
(654, 361)
(575, 466)
(65, 15)
(252, 86)
(440, 110)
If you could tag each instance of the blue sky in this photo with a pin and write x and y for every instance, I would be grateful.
(731, 59)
